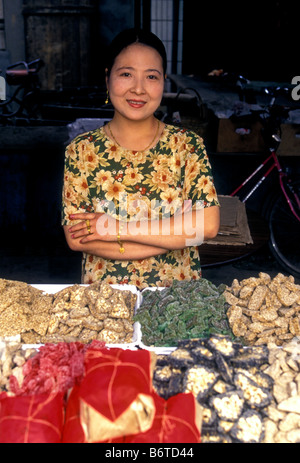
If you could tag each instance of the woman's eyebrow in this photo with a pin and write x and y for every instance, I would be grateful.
(121, 68)
(153, 70)
(129, 68)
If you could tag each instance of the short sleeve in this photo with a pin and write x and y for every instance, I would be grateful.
(76, 191)
(199, 184)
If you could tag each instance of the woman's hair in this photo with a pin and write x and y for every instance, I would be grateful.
(130, 37)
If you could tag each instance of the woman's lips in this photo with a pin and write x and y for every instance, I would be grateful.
(136, 103)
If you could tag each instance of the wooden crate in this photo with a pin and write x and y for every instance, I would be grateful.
(231, 141)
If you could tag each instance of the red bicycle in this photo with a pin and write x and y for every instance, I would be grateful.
(284, 213)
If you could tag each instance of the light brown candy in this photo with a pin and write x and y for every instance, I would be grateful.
(74, 313)
(270, 309)
(257, 297)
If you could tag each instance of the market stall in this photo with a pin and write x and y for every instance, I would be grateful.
(191, 363)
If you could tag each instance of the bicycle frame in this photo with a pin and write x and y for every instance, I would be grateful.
(282, 175)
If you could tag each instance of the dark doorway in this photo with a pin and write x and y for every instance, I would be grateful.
(257, 39)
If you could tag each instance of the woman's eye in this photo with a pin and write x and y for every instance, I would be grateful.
(125, 74)
(152, 77)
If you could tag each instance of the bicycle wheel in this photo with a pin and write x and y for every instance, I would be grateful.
(12, 106)
(285, 234)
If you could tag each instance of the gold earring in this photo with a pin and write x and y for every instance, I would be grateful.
(107, 100)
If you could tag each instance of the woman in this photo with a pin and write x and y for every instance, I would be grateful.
(138, 195)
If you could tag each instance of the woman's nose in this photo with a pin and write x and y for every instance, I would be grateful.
(138, 86)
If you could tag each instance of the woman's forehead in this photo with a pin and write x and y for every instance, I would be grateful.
(138, 54)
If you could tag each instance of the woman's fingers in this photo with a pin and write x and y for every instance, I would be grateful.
(78, 226)
(93, 226)
(80, 229)
(86, 226)
(88, 238)
(83, 216)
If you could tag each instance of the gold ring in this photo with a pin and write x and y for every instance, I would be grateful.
(88, 226)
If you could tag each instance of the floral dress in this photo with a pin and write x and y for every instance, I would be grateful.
(100, 176)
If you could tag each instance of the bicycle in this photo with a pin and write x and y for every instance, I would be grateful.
(284, 213)
(23, 102)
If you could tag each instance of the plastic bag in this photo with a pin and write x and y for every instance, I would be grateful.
(114, 399)
(177, 420)
(73, 432)
(35, 419)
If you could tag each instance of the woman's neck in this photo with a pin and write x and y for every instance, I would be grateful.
(134, 135)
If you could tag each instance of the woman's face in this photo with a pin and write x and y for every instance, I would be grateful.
(136, 82)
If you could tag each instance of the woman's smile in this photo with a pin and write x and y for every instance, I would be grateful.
(136, 103)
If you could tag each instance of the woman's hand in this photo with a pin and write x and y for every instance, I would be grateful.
(94, 226)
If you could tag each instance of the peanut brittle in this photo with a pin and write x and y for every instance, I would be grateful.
(74, 313)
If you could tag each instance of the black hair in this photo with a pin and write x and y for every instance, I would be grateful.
(129, 37)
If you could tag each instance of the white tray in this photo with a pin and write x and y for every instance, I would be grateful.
(136, 337)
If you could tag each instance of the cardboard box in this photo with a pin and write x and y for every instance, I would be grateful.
(240, 136)
(234, 228)
(290, 140)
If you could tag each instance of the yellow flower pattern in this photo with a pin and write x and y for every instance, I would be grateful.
(151, 184)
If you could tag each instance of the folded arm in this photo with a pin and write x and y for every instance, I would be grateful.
(141, 239)
(111, 249)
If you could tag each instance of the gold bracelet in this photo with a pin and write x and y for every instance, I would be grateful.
(122, 249)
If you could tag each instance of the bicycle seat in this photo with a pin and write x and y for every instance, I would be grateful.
(19, 76)
(22, 76)
(19, 72)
